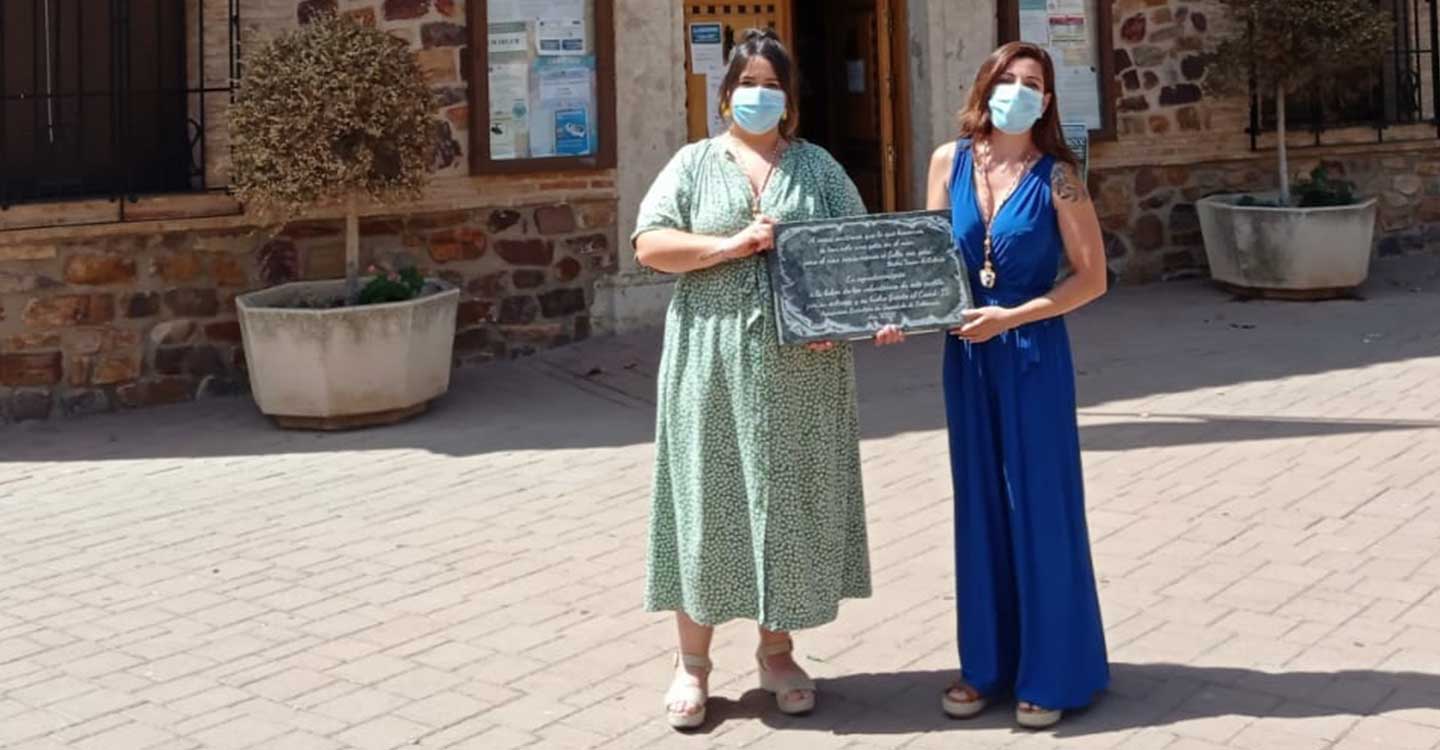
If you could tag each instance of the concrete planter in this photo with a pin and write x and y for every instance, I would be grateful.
(1303, 252)
(346, 366)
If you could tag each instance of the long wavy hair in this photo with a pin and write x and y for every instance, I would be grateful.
(975, 118)
(764, 43)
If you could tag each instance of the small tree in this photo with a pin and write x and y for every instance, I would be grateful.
(334, 112)
(1285, 46)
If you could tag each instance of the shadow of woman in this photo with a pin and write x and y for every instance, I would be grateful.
(1140, 696)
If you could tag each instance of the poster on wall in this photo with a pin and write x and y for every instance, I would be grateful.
(707, 49)
(572, 132)
(560, 37)
(507, 37)
(707, 59)
(509, 108)
(560, 125)
(542, 79)
(504, 11)
(1063, 27)
(1035, 22)
(555, 10)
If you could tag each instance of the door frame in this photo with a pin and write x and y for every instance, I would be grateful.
(898, 35)
(903, 135)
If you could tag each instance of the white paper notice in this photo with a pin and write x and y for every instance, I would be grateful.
(1035, 22)
(707, 49)
(504, 134)
(717, 124)
(554, 10)
(554, 37)
(1078, 91)
(564, 84)
(1035, 27)
(1069, 7)
(561, 121)
(508, 37)
(504, 11)
(509, 91)
(1068, 30)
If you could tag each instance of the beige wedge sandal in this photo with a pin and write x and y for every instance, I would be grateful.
(691, 692)
(1031, 716)
(784, 686)
(969, 708)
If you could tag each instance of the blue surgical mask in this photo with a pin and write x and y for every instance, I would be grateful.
(1015, 108)
(757, 109)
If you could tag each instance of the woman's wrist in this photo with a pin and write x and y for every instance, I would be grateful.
(1012, 317)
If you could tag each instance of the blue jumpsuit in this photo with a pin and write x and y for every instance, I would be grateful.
(1029, 614)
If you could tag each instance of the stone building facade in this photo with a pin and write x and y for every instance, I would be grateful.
(100, 311)
(98, 314)
(1176, 142)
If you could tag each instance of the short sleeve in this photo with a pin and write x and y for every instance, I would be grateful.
(667, 203)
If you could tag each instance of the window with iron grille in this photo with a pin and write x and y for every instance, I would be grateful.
(1402, 92)
(111, 98)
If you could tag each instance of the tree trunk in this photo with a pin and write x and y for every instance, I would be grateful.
(1284, 147)
(352, 252)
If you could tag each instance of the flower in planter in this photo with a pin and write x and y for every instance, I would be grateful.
(387, 285)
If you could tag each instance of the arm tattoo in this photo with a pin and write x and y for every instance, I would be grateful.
(714, 253)
(1066, 185)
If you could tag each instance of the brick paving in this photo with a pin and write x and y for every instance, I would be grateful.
(1264, 484)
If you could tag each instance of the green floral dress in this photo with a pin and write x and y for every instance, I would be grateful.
(758, 510)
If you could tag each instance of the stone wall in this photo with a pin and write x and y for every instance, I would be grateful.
(94, 319)
(106, 323)
(1152, 231)
(1176, 142)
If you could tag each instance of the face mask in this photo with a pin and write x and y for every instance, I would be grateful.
(757, 109)
(1015, 108)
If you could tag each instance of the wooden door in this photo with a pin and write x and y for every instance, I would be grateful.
(863, 132)
(734, 19)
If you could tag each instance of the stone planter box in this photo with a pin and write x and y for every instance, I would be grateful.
(348, 366)
(1298, 252)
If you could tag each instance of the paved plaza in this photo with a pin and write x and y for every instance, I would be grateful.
(1264, 493)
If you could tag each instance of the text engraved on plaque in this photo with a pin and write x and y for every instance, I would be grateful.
(847, 278)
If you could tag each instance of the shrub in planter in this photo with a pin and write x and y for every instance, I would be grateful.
(1319, 245)
(339, 114)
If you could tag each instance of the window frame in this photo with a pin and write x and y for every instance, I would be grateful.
(1424, 31)
(478, 34)
(1007, 14)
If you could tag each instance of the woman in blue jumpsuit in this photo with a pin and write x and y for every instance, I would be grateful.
(1029, 613)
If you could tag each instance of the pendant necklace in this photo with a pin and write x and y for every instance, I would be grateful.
(988, 277)
(757, 192)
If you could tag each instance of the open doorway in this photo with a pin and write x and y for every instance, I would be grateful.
(854, 81)
(852, 60)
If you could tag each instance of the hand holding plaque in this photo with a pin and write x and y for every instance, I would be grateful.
(836, 279)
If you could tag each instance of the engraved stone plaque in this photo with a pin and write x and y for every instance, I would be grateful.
(836, 279)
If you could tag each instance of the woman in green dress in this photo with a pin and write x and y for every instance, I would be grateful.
(758, 511)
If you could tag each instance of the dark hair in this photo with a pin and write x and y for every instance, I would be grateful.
(975, 118)
(764, 43)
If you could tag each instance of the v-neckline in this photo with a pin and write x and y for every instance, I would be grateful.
(751, 197)
(975, 193)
